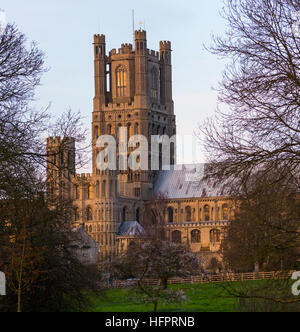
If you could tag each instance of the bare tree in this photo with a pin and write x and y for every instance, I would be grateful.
(35, 241)
(261, 88)
(43, 271)
(253, 142)
(155, 256)
(156, 259)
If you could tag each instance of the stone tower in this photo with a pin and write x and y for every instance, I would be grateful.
(60, 167)
(133, 90)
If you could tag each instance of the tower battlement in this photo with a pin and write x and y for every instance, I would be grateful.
(165, 45)
(55, 141)
(153, 53)
(85, 176)
(125, 49)
(140, 35)
(99, 39)
(126, 46)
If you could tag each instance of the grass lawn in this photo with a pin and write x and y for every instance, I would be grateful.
(201, 298)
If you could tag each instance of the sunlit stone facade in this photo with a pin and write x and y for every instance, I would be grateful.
(133, 89)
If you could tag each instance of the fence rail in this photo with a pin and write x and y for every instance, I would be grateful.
(204, 279)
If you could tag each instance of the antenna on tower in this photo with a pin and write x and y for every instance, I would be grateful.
(133, 28)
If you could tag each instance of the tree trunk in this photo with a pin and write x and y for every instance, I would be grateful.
(165, 283)
(20, 277)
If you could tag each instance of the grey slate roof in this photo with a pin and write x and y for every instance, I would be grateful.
(187, 183)
(131, 228)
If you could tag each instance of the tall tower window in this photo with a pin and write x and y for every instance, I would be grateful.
(97, 189)
(154, 83)
(206, 213)
(90, 192)
(136, 129)
(129, 129)
(76, 192)
(124, 214)
(170, 215)
(96, 132)
(121, 82)
(89, 214)
(103, 189)
(137, 214)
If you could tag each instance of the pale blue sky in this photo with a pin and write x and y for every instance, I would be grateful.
(64, 31)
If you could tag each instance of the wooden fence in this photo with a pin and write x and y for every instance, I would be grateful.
(206, 278)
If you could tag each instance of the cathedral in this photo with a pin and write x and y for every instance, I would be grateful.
(133, 90)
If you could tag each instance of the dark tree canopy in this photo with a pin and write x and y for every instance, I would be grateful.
(42, 272)
(264, 232)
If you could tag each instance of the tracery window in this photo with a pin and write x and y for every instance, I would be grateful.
(170, 215)
(89, 213)
(195, 236)
(215, 236)
(188, 214)
(206, 213)
(90, 192)
(121, 81)
(154, 83)
(176, 237)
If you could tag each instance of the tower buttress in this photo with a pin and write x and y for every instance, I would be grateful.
(166, 75)
(141, 69)
(60, 167)
(100, 72)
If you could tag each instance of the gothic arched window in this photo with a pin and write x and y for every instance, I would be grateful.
(129, 130)
(90, 192)
(170, 215)
(97, 189)
(121, 81)
(206, 213)
(76, 192)
(124, 213)
(195, 236)
(154, 83)
(215, 236)
(188, 214)
(89, 213)
(176, 237)
(154, 79)
(96, 132)
(136, 129)
(103, 189)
